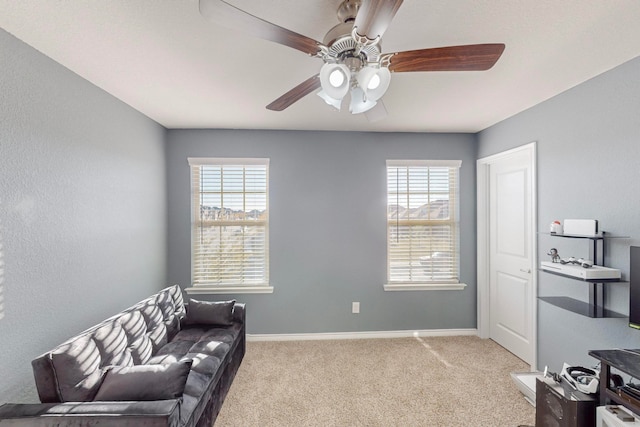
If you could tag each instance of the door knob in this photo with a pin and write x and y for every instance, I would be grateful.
(525, 270)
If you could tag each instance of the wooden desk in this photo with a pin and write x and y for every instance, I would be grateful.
(626, 361)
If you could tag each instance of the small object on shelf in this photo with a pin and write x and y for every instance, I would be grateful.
(553, 375)
(581, 227)
(556, 227)
(580, 378)
(614, 415)
(585, 263)
(555, 257)
(623, 415)
(570, 260)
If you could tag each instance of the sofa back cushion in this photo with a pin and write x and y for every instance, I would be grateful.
(138, 340)
(111, 341)
(165, 303)
(156, 329)
(171, 304)
(74, 370)
(151, 313)
(178, 300)
(76, 365)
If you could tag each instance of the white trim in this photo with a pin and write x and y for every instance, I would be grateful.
(445, 163)
(227, 161)
(483, 298)
(201, 289)
(482, 236)
(199, 258)
(362, 335)
(424, 286)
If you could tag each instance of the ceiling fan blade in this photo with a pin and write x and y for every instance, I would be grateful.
(374, 16)
(221, 12)
(296, 94)
(475, 57)
(377, 113)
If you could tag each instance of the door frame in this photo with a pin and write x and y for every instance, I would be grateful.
(483, 234)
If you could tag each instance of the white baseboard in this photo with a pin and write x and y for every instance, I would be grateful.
(362, 335)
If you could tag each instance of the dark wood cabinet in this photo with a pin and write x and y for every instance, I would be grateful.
(559, 405)
(625, 361)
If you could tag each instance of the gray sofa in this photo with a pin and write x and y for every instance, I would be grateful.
(158, 363)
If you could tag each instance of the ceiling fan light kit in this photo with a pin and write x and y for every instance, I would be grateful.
(374, 81)
(335, 80)
(351, 52)
(366, 85)
(359, 101)
(335, 103)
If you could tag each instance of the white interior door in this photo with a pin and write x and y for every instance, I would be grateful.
(511, 254)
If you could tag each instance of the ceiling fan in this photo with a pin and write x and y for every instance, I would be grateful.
(353, 61)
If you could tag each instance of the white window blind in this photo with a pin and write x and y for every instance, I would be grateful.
(230, 222)
(422, 221)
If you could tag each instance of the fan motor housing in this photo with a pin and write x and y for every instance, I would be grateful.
(342, 48)
(341, 45)
(348, 10)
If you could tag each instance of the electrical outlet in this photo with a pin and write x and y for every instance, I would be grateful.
(355, 307)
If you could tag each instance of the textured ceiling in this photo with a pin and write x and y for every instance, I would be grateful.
(165, 60)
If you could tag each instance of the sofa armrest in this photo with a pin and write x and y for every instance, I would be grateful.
(239, 313)
(157, 413)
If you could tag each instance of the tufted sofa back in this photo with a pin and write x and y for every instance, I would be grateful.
(72, 372)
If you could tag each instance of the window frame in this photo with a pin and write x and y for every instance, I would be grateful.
(454, 197)
(196, 222)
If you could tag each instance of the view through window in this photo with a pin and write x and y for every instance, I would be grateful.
(422, 221)
(230, 220)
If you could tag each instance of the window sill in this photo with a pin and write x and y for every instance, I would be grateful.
(229, 290)
(424, 286)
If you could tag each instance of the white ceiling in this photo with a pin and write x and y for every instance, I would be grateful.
(165, 60)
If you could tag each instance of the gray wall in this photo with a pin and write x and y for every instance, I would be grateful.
(588, 142)
(328, 228)
(84, 190)
(82, 209)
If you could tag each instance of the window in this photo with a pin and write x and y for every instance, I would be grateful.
(422, 225)
(229, 225)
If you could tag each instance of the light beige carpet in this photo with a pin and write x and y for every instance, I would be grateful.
(443, 381)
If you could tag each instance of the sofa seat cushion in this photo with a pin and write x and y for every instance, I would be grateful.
(197, 333)
(209, 350)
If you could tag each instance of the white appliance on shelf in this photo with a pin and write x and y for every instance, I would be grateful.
(595, 272)
(581, 227)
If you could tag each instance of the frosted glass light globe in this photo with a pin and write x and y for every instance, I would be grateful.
(336, 78)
